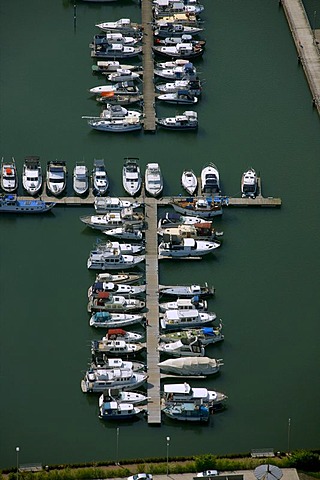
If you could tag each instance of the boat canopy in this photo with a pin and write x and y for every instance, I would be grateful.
(116, 331)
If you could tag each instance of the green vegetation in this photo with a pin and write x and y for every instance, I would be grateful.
(306, 461)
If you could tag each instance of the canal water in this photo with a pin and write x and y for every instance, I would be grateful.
(256, 110)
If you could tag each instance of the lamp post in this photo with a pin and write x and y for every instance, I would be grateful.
(117, 458)
(168, 444)
(289, 428)
(17, 452)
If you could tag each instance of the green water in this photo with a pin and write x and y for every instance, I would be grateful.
(256, 110)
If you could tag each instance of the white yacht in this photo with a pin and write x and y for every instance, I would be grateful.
(113, 204)
(171, 219)
(101, 379)
(116, 347)
(131, 176)
(115, 320)
(123, 75)
(249, 184)
(123, 248)
(113, 219)
(118, 288)
(178, 319)
(153, 179)
(184, 347)
(119, 278)
(194, 303)
(210, 179)
(32, 175)
(112, 259)
(122, 25)
(185, 247)
(105, 302)
(8, 176)
(80, 179)
(187, 291)
(56, 177)
(189, 181)
(127, 232)
(100, 179)
(183, 392)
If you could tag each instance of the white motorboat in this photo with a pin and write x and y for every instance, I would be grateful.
(207, 207)
(8, 176)
(123, 25)
(114, 320)
(127, 232)
(187, 291)
(113, 219)
(184, 347)
(206, 335)
(186, 366)
(189, 181)
(103, 40)
(114, 112)
(117, 411)
(120, 334)
(123, 75)
(56, 177)
(163, 7)
(105, 302)
(117, 125)
(178, 62)
(192, 86)
(109, 66)
(109, 363)
(99, 380)
(210, 179)
(123, 248)
(121, 88)
(171, 41)
(124, 396)
(100, 180)
(179, 72)
(112, 259)
(118, 288)
(80, 179)
(131, 176)
(181, 97)
(173, 219)
(193, 303)
(32, 175)
(183, 392)
(178, 319)
(185, 122)
(249, 184)
(117, 347)
(164, 29)
(153, 179)
(185, 247)
(180, 50)
(115, 50)
(119, 277)
(113, 204)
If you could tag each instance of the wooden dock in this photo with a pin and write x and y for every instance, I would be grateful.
(149, 124)
(306, 44)
(152, 305)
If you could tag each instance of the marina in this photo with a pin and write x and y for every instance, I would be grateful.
(255, 111)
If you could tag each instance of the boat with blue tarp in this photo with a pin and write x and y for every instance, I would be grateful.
(13, 204)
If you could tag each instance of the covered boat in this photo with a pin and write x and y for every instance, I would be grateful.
(32, 178)
(206, 335)
(114, 320)
(187, 121)
(105, 302)
(8, 176)
(56, 177)
(187, 412)
(120, 334)
(80, 179)
(178, 319)
(101, 379)
(10, 203)
(153, 179)
(187, 290)
(201, 366)
(249, 184)
(131, 176)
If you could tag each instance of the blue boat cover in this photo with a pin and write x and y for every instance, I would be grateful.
(208, 331)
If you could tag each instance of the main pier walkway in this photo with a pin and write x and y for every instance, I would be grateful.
(306, 45)
(149, 122)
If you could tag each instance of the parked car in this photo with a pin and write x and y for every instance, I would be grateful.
(140, 476)
(207, 473)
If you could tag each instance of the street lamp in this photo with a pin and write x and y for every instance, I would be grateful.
(17, 452)
(168, 444)
(117, 457)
